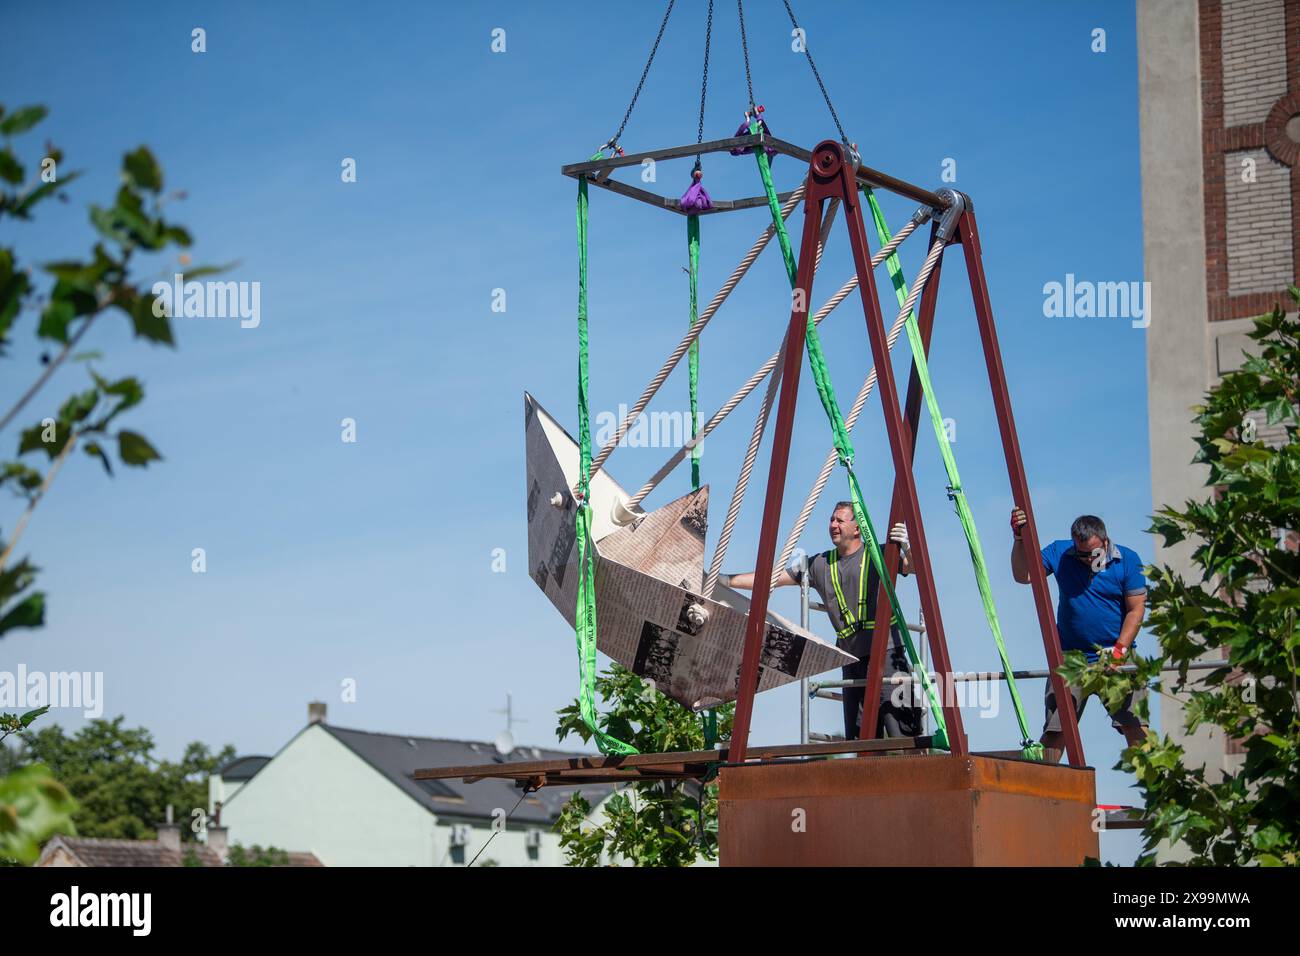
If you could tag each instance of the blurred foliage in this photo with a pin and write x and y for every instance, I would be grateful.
(1243, 609)
(64, 298)
(256, 856)
(122, 790)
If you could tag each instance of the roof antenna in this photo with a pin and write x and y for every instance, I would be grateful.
(505, 741)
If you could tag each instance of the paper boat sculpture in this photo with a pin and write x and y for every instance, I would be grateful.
(650, 613)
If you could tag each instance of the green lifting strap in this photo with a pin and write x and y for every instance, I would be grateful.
(585, 626)
(693, 248)
(709, 717)
(1032, 749)
(844, 449)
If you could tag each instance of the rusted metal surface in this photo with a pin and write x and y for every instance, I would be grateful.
(682, 764)
(968, 233)
(907, 811)
(879, 637)
(815, 197)
(869, 176)
(830, 156)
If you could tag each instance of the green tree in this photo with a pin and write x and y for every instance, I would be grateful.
(1242, 607)
(121, 789)
(664, 823)
(256, 856)
(65, 298)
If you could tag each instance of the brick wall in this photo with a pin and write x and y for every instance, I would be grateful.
(1254, 58)
(1258, 225)
(1250, 88)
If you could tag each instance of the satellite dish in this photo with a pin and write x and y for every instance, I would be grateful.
(504, 743)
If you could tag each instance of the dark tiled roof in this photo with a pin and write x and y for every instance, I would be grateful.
(93, 851)
(243, 768)
(398, 757)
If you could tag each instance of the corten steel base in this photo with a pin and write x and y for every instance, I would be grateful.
(907, 811)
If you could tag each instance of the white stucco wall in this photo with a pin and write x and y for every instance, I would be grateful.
(316, 795)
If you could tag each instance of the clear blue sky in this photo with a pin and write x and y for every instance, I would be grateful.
(372, 561)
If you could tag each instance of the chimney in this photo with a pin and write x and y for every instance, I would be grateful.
(217, 841)
(316, 712)
(169, 833)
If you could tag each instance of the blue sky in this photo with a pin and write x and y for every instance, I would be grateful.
(372, 561)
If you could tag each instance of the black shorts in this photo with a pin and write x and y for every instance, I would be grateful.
(1123, 717)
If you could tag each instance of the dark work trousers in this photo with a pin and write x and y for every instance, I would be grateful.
(892, 720)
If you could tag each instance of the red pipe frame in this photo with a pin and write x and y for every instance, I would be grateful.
(829, 176)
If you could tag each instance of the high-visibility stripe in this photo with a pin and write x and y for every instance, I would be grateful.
(851, 623)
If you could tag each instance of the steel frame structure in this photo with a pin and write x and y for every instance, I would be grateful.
(834, 174)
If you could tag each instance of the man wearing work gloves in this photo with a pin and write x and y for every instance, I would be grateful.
(850, 600)
(1103, 596)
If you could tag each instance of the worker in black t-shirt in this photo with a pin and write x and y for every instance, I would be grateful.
(850, 600)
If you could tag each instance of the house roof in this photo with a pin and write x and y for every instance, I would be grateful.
(243, 768)
(398, 757)
(93, 851)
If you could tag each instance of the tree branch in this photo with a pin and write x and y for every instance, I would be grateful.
(31, 506)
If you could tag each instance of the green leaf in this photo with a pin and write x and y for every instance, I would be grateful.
(33, 807)
(29, 612)
(96, 451)
(55, 319)
(78, 406)
(23, 119)
(1278, 410)
(11, 171)
(201, 271)
(155, 328)
(14, 286)
(135, 449)
(44, 191)
(143, 169)
(33, 439)
(27, 718)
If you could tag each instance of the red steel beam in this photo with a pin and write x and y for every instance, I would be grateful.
(879, 642)
(829, 156)
(969, 237)
(794, 338)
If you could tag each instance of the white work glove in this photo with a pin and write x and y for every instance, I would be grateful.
(898, 535)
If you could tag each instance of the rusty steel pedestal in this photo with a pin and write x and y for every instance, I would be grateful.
(907, 811)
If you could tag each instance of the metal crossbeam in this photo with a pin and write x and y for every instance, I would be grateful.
(685, 764)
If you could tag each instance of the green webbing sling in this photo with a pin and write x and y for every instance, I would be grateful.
(709, 717)
(693, 248)
(1032, 749)
(844, 449)
(585, 628)
(851, 621)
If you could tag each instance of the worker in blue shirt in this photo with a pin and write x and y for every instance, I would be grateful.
(1103, 595)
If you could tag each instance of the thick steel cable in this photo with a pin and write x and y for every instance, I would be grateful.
(762, 373)
(816, 75)
(694, 333)
(744, 48)
(704, 82)
(756, 437)
(936, 250)
(613, 141)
